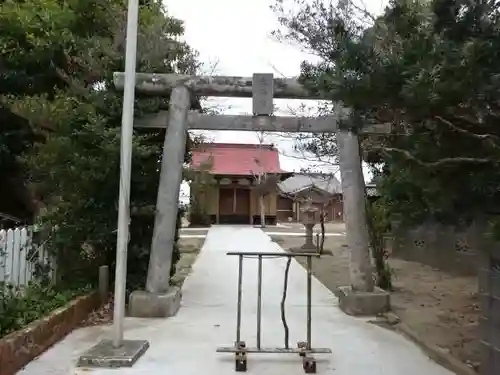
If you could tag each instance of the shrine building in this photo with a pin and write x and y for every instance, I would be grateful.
(232, 196)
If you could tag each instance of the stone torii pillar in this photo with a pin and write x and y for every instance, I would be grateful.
(362, 297)
(160, 299)
(353, 190)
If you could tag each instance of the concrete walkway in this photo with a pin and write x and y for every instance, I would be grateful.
(280, 234)
(186, 343)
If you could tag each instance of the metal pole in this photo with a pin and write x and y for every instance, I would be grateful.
(238, 313)
(259, 300)
(125, 172)
(309, 282)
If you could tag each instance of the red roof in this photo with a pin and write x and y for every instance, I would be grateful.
(237, 159)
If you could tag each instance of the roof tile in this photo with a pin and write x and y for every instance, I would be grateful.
(237, 158)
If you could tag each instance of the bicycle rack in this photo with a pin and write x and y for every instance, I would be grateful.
(304, 348)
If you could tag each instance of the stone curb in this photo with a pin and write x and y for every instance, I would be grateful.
(434, 352)
(19, 348)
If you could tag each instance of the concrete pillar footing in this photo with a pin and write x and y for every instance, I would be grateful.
(363, 303)
(143, 304)
(104, 354)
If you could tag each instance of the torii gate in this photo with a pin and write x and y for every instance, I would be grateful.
(262, 88)
(159, 299)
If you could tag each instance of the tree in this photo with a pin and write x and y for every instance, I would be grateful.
(200, 182)
(265, 182)
(429, 69)
(260, 175)
(16, 137)
(57, 64)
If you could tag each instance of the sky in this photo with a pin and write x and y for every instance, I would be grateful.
(235, 37)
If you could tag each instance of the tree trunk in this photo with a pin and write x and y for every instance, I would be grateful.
(322, 225)
(262, 211)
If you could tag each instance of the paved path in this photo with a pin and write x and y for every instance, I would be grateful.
(280, 234)
(186, 343)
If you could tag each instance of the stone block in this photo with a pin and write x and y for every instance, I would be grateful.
(363, 303)
(143, 304)
(262, 94)
(104, 354)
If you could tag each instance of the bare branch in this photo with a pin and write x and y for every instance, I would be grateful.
(438, 163)
(364, 11)
(490, 138)
(77, 88)
(312, 159)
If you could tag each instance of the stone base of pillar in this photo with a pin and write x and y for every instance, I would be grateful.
(104, 354)
(143, 304)
(363, 303)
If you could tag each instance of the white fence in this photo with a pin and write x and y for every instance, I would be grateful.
(19, 256)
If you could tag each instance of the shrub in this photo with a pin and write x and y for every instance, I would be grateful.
(19, 307)
(378, 226)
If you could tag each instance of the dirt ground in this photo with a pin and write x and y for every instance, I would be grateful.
(440, 308)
